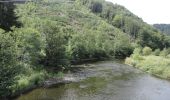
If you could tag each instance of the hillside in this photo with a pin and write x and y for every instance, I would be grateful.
(165, 28)
(118, 16)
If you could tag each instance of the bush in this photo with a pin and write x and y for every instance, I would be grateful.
(168, 56)
(25, 81)
(8, 63)
(137, 51)
(137, 54)
(155, 65)
(164, 52)
(57, 40)
(130, 61)
(156, 52)
(146, 51)
(31, 45)
(137, 57)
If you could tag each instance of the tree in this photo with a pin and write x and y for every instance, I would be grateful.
(31, 45)
(118, 21)
(56, 41)
(146, 51)
(7, 15)
(96, 7)
(8, 63)
(122, 46)
(131, 27)
(165, 28)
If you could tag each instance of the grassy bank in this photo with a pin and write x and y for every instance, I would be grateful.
(156, 65)
(32, 79)
(26, 82)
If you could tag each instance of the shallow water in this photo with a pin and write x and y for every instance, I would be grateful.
(106, 81)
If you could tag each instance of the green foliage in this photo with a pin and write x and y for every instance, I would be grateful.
(7, 15)
(122, 46)
(30, 44)
(137, 51)
(57, 40)
(136, 54)
(118, 21)
(165, 28)
(156, 52)
(8, 61)
(146, 51)
(96, 7)
(60, 74)
(139, 31)
(155, 65)
(164, 52)
(2, 31)
(150, 38)
(28, 80)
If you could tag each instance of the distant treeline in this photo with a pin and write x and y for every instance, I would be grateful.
(165, 28)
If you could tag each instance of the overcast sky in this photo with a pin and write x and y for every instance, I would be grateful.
(151, 11)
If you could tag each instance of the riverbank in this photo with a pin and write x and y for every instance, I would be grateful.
(48, 83)
(28, 81)
(45, 79)
(156, 65)
(106, 80)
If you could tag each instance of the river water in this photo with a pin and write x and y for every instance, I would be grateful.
(105, 80)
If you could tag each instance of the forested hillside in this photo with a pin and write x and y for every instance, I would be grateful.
(165, 28)
(55, 33)
(118, 16)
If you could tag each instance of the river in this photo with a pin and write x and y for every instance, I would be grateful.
(107, 80)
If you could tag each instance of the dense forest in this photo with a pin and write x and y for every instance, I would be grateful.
(43, 34)
(165, 28)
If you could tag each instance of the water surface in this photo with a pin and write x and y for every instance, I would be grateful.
(105, 81)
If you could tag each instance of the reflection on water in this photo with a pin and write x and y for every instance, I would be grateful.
(106, 81)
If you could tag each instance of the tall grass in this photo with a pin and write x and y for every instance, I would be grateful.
(31, 78)
(26, 81)
(156, 65)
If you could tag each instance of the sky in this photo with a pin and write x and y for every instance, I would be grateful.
(151, 11)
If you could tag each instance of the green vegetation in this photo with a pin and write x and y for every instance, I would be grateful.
(165, 28)
(154, 64)
(146, 51)
(7, 15)
(8, 61)
(121, 18)
(56, 33)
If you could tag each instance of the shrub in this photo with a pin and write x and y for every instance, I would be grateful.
(155, 65)
(137, 57)
(25, 81)
(8, 63)
(164, 52)
(156, 52)
(137, 54)
(137, 51)
(56, 39)
(146, 51)
(168, 56)
(128, 61)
